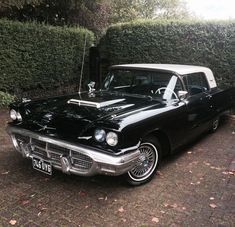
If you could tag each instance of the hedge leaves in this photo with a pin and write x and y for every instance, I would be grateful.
(209, 44)
(33, 55)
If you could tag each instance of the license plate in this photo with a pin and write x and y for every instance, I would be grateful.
(42, 165)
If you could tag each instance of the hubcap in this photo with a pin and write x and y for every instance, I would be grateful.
(146, 163)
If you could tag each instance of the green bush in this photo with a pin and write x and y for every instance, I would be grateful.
(6, 99)
(34, 55)
(209, 44)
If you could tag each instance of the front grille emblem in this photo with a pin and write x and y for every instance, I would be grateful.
(44, 127)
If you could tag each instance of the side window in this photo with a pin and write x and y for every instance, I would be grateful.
(196, 83)
(162, 80)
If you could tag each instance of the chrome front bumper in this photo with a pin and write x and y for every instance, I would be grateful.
(72, 158)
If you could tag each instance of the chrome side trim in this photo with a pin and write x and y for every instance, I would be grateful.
(84, 137)
(124, 150)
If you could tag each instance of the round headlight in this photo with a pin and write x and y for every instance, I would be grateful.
(18, 116)
(13, 114)
(100, 135)
(112, 139)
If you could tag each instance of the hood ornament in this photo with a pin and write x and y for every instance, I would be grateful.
(24, 100)
(91, 87)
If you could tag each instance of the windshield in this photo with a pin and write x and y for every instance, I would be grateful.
(142, 82)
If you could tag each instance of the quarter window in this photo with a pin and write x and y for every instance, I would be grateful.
(196, 83)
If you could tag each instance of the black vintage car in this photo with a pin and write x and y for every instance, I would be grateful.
(142, 112)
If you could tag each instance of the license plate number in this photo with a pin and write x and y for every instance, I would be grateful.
(42, 165)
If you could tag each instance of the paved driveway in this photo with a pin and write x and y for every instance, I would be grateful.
(193, 188)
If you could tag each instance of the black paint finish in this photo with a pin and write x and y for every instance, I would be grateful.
(132, 117)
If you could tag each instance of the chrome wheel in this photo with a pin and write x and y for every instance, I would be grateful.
(146, 163)
(215, 124)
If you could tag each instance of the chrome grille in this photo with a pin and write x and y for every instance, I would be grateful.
(53, 152)
(39, 143)
(55, 158)
(57, 149)
(39, 152)
(22, 139)
(81, 161)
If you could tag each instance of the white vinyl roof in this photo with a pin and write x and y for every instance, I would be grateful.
(179, 69)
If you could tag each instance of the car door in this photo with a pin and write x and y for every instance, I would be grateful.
(198, 103)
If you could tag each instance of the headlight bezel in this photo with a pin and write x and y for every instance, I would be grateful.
(18, 116)
(106, 136)
(100, 135)
(15, 115)
(112, 138)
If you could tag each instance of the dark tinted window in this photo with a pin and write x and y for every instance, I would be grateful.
(196, 83)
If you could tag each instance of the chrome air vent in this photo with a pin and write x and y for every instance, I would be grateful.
(94, 104)
(84, 103)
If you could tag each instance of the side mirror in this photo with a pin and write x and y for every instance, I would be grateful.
(182, 94)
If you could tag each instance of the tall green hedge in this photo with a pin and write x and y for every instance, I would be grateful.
(211, 44)
(33, 55)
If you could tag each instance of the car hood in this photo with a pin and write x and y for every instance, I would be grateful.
(76, 114)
